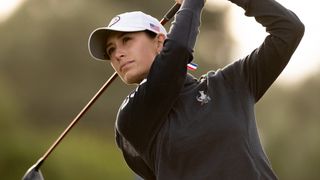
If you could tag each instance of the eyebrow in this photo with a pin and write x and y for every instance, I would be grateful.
(118, 36)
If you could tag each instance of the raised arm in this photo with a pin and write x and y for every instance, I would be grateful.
(264, 64)
(185, 28)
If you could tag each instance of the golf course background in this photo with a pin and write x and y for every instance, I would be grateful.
(47, 77)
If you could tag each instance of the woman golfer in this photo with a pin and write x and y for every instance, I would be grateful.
(177, 127)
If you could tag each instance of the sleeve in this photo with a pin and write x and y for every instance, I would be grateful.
(261, 68)
(145, 110)
(185, 27)
(133, 159)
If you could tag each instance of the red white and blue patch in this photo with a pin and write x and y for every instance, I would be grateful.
(155, 27)
(192, 66)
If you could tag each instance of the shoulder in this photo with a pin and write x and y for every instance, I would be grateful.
(230, 75)
(176, 49)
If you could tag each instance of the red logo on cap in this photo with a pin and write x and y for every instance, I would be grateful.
(114, 21)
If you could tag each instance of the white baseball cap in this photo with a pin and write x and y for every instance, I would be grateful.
(126, 22)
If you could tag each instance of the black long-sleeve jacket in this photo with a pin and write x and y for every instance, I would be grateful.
(174, 126)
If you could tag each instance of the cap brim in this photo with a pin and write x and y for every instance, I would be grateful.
(96, 44)
(98, 38)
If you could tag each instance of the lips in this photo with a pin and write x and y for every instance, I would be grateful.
(125, 65)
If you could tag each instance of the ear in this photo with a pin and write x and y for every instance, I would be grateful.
(160, 38)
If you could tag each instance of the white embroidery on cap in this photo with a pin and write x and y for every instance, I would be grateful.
(114, 21)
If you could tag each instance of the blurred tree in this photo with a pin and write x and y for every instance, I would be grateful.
(291, 130)
(47, 76)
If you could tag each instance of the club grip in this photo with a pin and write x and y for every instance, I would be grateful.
(170, 13)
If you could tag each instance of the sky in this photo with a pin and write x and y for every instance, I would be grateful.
(8, 7)
(304, 62)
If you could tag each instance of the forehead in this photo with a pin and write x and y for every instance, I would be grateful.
(115, 35)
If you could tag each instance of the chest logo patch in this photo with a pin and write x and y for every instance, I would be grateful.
(203, 98)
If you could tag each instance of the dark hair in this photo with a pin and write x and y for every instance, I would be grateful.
(150, 34)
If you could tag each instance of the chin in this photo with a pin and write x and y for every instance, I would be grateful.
(133, 77)
(132, 80)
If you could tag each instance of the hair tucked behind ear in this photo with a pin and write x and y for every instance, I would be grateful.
(150, 34)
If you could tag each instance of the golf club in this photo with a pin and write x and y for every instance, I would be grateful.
(34, 172)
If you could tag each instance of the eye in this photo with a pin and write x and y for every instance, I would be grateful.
(126, 39)
(109, 51)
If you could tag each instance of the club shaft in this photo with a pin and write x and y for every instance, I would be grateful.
(76, 119)
(170, 13)
(163, 21)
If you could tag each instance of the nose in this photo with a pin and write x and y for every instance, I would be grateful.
(119, 53)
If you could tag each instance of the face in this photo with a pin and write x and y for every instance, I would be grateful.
(132, 54)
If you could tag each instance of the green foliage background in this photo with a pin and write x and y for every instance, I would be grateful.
(47, 76)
